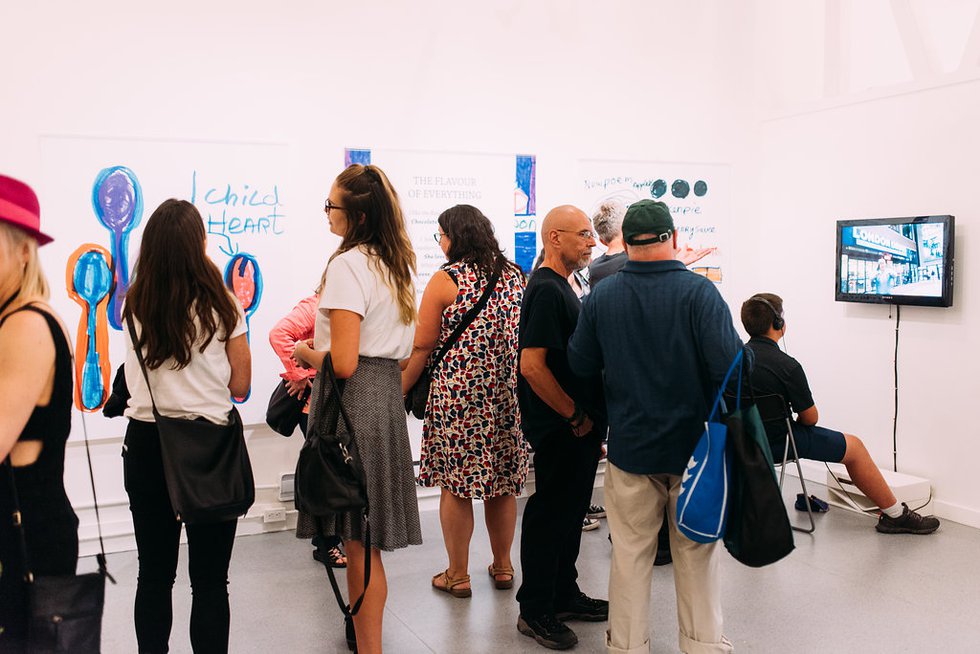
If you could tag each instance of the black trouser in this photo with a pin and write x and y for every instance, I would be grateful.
(551, 530)
(157, 540)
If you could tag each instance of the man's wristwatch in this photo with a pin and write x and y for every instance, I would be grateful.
(577, 417)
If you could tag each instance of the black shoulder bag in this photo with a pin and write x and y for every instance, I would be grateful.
(64, 611)
(285, 410)
(417, 398)
(330, 479)
(207, 468)
(758, 530)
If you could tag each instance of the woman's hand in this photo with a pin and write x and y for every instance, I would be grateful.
(301, 353)
(298, 387)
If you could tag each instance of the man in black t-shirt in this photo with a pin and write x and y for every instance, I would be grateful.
(777, 373)
(564, 419)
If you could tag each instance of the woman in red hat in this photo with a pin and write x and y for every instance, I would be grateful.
(35, 414)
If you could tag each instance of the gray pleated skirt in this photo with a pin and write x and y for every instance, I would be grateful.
(373, 400)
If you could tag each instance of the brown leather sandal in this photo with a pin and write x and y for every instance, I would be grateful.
(451, 584)
(503, 570)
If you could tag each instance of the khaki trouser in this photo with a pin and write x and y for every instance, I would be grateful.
(635, 511)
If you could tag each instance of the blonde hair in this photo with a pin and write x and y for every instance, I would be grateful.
(34, 284)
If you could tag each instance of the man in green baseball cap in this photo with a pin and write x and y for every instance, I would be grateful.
(646, 222)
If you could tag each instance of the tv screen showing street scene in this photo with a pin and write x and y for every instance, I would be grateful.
(898, 261)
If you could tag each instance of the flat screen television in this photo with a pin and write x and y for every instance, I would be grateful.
(896, 261)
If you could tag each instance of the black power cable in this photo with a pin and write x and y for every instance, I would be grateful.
(898, 317)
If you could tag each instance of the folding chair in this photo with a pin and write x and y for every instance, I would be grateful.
(773, 409)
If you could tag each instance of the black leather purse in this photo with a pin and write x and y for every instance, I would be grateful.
(329, 477)
(285, 410)
(417, 398)
(206, 466)
(64, 611)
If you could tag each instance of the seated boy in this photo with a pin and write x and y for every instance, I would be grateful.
(775, 372)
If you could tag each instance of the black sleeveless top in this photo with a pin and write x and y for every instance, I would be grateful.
(52, 423)
(50, 524)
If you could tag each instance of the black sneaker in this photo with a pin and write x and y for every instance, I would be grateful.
(596, 511)
(584, 608)
(588, 524)
(548, 631)
(909, 522)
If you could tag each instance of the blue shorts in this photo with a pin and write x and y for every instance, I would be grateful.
(812, 442)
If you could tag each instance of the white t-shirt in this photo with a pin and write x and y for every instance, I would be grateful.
(355, 283)
(199, 390)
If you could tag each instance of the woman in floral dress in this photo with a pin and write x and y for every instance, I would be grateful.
(472, 446)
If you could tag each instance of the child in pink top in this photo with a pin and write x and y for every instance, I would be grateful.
(295, 327)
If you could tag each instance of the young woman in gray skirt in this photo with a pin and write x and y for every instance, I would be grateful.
(366, 320)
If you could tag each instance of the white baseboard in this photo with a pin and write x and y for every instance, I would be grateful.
(118, 532)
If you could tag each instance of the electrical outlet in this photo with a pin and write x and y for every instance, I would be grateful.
(274, 515)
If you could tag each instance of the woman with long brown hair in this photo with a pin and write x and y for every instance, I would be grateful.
(366, 321)
(192, 333)
(472, 446)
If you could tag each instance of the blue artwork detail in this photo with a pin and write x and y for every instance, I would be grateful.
(525, 190)
(525, 249)
(658, 188)
(680, 188)
(92, 280)
(118, 203)
(357, 156)
(700, 188)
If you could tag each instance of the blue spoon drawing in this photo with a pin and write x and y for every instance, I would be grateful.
(118, 202)
(92, 280)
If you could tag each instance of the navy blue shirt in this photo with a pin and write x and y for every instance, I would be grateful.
(665, 339)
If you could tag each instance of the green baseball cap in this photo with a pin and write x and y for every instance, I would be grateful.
(647, 217)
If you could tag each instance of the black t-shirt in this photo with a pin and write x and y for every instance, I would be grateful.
(776, 373)
(606, 265)
(549, 314)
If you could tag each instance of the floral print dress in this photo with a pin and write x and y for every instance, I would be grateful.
(472, 443)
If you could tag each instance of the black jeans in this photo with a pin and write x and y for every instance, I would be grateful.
(157, 540)
(551, 530)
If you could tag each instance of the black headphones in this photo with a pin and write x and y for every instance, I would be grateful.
(777, 318)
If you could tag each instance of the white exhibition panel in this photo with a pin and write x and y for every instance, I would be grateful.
(698, 196)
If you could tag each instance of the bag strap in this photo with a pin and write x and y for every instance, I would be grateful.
(335, 384)
(724, 384)
(467, 320)
(350, 609)
(139, 357)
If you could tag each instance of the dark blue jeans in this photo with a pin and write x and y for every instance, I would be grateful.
(157, 541)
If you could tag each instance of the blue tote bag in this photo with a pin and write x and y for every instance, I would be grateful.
(702, 506)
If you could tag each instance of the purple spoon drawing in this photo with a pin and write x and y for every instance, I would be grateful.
(118, 203)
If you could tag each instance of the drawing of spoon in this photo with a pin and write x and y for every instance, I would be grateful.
(90, 284)
(118, 203)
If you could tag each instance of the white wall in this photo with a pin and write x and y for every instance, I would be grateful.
(847, 133)
(563, 80)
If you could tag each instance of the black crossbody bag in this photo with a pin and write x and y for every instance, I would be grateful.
(206, 466)
(417, 398)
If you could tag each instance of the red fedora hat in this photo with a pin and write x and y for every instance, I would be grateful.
(19, 207)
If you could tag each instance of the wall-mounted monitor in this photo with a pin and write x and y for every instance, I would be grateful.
(896, 261)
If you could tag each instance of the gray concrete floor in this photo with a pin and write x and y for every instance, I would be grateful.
(845, 589)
